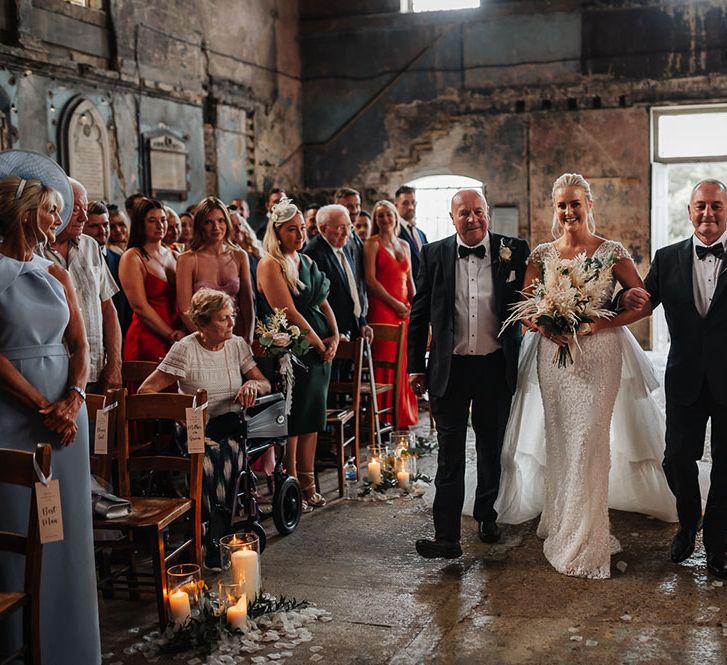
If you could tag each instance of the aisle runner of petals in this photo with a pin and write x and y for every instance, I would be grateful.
(271, 638)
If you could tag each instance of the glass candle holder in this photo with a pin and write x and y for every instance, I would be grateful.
(233, 604)
(401, 440)
(376, 457)
(405, 470)
(240, 559)
(184, 585)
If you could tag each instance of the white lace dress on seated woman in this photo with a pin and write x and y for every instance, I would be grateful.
(581, 439)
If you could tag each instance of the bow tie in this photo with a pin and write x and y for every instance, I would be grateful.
(716, 250)
(465, 251)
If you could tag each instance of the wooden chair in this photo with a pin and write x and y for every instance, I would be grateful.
(16, 468)
(345, 402)
(150, 515)
(384, 332)
(102, 465)
(136, 371)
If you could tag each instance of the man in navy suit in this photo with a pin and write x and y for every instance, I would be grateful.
(688, 278)
(351, 200)
(406, 205)
(331, 251)
(97, 227)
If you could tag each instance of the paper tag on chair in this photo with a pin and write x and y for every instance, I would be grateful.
(50, 518)
(101, 438)
(195, 429)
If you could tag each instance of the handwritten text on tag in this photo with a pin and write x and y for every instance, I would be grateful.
(101, 440)
(50, 518)
(195, 430)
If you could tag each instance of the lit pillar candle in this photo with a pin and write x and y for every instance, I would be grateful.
(402, 479)
(375, 472)
(245, 571)
(179, 608)
(237, 614)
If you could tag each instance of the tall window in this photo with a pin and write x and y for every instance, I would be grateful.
(689, 143)
(437, 5)
(434, 196)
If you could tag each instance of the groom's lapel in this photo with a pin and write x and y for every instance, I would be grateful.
(685, 259)
(499, 274)
(720, 288)
(449, 262)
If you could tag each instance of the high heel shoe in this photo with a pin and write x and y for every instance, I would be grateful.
(315, 500)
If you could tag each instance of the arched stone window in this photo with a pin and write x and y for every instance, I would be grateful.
(86, 151)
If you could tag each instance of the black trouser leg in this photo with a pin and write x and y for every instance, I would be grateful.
(685, 429)
(490, 411)
(715, 512)
(451, 413)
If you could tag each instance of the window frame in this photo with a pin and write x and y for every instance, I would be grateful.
(658, 112)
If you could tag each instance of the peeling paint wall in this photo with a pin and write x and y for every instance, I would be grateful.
(224, 75)
(514, 93)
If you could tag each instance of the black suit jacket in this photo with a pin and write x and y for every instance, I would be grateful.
(434, 302)
(123, 310)
(415, 253)
(339, 297)
(697, 349)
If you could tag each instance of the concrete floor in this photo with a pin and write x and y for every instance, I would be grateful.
(497, 604)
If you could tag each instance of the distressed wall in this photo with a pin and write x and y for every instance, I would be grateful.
(514, 93)
(222, 75)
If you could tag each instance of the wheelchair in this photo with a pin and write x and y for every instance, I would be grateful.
(265, 425)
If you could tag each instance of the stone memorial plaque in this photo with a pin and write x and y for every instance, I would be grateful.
(88, 151)
(167, 159)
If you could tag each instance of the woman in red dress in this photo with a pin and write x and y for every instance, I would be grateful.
(390, 284)
(147, 272)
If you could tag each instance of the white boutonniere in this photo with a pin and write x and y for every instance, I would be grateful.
(505, 253)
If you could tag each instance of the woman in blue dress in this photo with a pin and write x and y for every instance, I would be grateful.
(43, 368)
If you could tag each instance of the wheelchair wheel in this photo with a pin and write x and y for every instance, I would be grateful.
(257, 529)
(287, 505)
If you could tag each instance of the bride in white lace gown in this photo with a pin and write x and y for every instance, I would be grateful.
(564, 455)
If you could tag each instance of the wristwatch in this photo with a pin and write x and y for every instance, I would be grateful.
(79, 390)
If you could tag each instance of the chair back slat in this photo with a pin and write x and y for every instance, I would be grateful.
(13, 542)
(153, 406)
(102, 465)
(17, 468)
(136, 371)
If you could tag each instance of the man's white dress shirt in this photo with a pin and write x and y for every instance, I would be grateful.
(476, 324)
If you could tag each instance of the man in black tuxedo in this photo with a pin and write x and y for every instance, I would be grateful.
(331, 252)
(688, 279)
(465, 287)
(406, 205)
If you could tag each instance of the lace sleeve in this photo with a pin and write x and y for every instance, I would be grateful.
(619, 251)
(615, 250)
(176, 361)
(538, 254)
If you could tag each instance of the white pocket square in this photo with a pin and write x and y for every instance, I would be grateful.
(511, 276)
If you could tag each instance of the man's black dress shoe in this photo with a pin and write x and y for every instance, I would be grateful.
(717, 566)
(438, 549)
(682, 547)
(489, 532)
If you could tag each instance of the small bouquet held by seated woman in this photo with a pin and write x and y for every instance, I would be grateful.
(568, 295)
(286, 342)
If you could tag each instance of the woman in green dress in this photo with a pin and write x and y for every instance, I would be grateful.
(291, 281)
